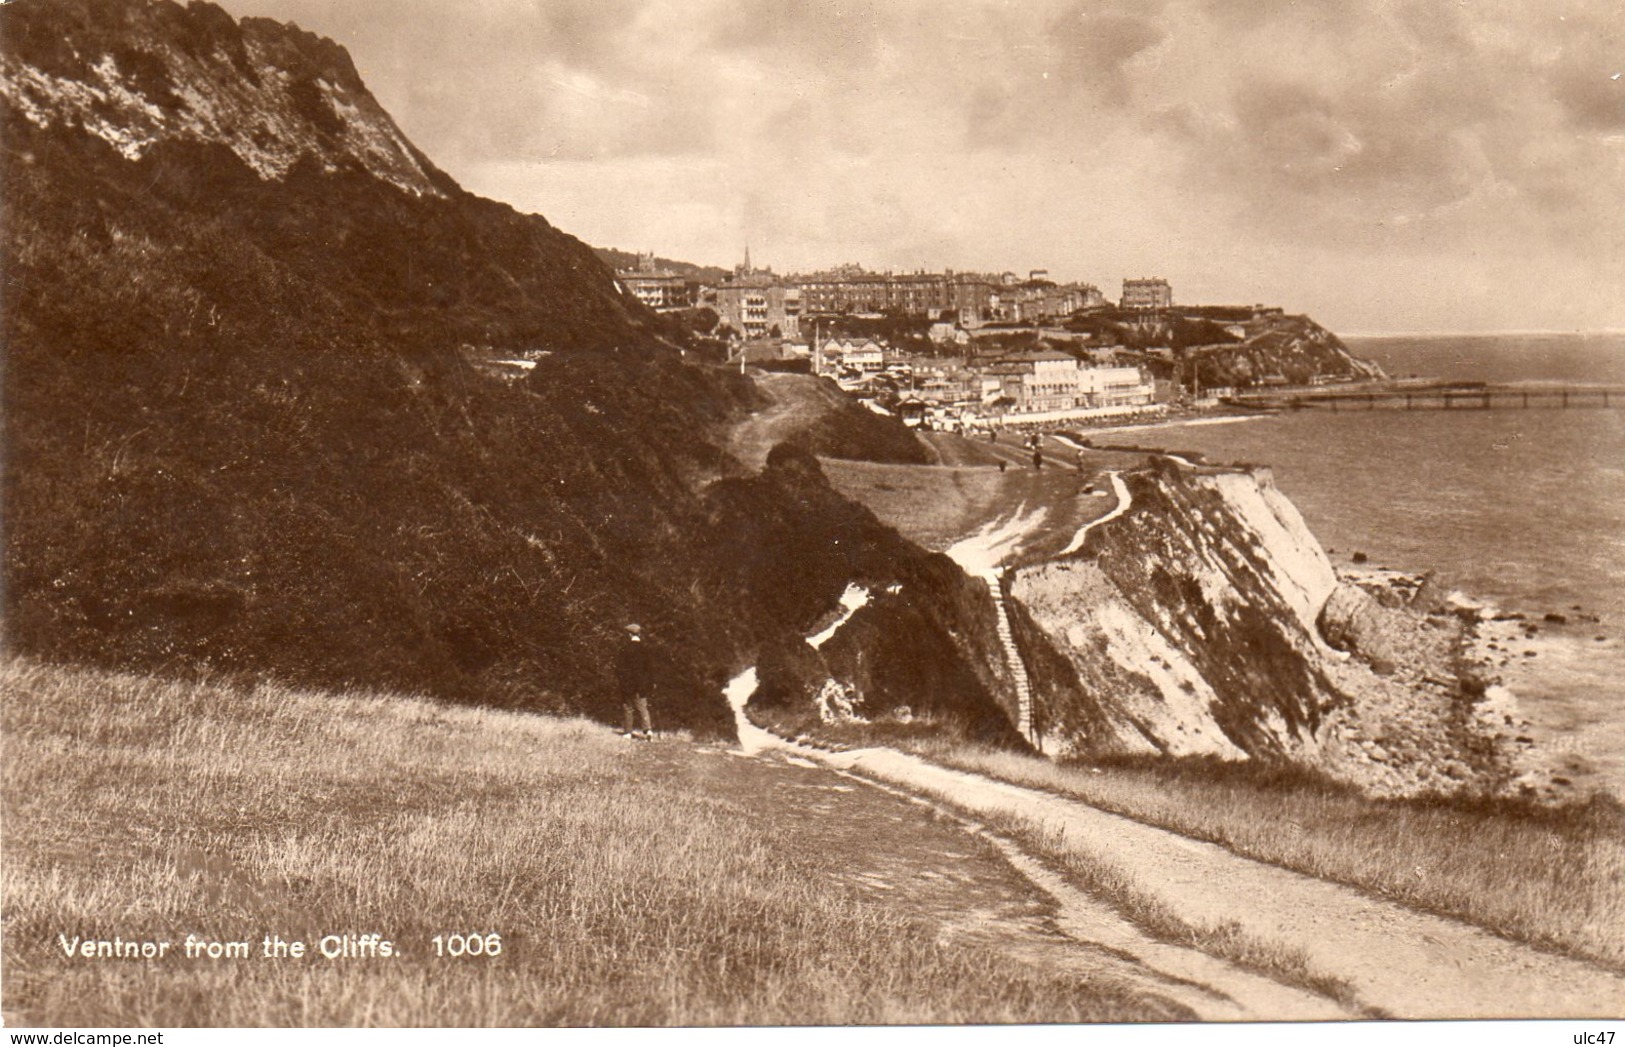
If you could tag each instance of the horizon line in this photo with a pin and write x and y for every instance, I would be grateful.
(1486, 332)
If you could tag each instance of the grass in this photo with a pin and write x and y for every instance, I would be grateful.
(154, 809)
(937, 505)
(1111, 883)
(1549, 876)
(932, 505)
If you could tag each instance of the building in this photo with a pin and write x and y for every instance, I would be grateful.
(1046, 381)
(758, 304)
(1114, 387)
(1056, 381)
(971, 298)
(868, 357)
(1147, 293)
(655, 287)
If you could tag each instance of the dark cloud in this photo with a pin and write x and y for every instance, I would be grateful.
(1592, 94)
(1093, 48)
(847, 33)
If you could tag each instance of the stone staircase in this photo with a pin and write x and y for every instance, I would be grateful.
(1012, 659)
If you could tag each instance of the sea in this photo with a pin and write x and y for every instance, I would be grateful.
(1523, 508)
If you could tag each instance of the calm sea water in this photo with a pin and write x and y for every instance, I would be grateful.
(1570, 358)
(1525, 508)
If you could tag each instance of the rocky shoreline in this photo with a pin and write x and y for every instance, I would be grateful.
(1458, 722)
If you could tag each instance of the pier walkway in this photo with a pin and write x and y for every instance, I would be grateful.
(1435, 397)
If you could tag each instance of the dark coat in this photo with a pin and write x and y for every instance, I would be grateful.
(635, 667)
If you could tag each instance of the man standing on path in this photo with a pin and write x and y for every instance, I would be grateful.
(634, 671)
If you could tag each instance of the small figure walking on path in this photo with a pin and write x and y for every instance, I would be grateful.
(1038, 458)
(634, 671)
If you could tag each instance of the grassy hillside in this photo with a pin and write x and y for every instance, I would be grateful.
(629, 883)
(815, 414)
(251, 428)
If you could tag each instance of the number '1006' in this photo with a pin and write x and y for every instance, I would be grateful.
(467, 944)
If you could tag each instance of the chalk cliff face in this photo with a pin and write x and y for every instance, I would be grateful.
(1188, 625)
(1191, 625)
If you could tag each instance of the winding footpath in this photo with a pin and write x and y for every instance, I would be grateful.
(1124, 502)
(1398, 962)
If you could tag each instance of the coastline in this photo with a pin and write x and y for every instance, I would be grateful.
(1502, 665)
(1509, 701)
(1551, 642)
(1549, 673)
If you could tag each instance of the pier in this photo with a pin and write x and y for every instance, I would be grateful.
(1436, 397)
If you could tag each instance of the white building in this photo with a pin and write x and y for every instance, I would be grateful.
(1114, 387)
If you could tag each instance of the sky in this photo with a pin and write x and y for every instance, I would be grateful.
(1384, 165)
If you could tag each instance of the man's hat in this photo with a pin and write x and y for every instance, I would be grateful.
(634, 628)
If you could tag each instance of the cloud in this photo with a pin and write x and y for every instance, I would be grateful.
(1467, 126)
(1163, 135)
(1094, 49)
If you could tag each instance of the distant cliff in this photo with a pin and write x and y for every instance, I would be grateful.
(1216, 346)
(1291, 347)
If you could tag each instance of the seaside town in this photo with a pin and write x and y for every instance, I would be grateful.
(419, 614)
(962, 351)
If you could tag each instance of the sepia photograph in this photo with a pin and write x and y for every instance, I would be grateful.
(654, 514)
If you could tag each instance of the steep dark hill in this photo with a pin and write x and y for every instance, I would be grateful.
(253, 424)
(148, 123)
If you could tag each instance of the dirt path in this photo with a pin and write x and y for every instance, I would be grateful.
(1080, 934)
(1214, 989)
(752, 438)
(1124, 501)
(932, 871)
(1399, 961)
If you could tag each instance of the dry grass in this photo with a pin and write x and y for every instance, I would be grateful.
(152, 809)
(932, 505)
(1553, 877)
(1108, 881)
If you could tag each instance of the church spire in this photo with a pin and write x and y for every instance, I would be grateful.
(747, 258)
